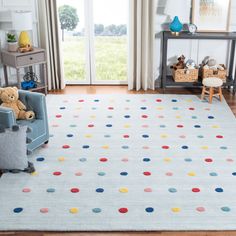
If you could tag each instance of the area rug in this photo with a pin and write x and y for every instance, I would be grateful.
(128, 162)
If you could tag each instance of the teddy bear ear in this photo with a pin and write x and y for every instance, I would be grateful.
(15, 88)
(1, 90)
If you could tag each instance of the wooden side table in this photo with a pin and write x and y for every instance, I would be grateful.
(19, 60)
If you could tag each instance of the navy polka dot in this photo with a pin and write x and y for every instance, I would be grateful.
(109, 125)
(188, 159)
(184, 147)
(143, 108)
(149, 209)
(69, 135)
(219, 190)
(40, 159)
(51, 190)
(223, 148)
(62, 108)
(146, 159)
(162, 126)
(18, 209)
(211, 117)
(145, 136)
(82, 159)
(124, 173)
(174, 100)
(197, 126)
(85, 146)
(99, 190)
(127, 116)
(96, 100)
(234, 173)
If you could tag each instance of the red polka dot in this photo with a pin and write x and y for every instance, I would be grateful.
(123, 210)
(78, 173)
(182, 136)
(219, 136)
(169, 174)
(148, 190)
(158, 100)
(126, 136)
(147, 173)
(208, 160)
(57, 173)
(144, 116)
(145, 147)
(66, 146)
(207, 109)
(145, 126)
(191, 109)
(81, 100)
(180, 126)
(165, 147)
(90, 125)
(26, 190)
(58, 116)
(103, 159)
(195, 190)
(161, 117)
(125, 159)
(44, 210)
(110, 108)
(74, 190)
(200, 209)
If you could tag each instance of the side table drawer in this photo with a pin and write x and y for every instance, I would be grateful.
(30, 59)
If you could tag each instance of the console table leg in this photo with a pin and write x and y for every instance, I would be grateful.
(18, 78)
(5, 75)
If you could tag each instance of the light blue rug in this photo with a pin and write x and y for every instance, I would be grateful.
(128, 162)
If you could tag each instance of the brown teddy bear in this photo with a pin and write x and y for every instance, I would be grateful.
(180, 64)
(10, 99)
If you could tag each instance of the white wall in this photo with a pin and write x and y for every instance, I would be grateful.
(194, 49)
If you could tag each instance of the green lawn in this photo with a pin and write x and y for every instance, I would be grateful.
(110, 58)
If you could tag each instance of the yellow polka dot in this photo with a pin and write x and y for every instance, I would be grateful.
(164, 135)
(61, 159)
(204, 147)
(112, 100)
(74, 210)
(167, 159)
(160, 108)
(35, 173)
(215, 126)
(178, 117)
(92, 117)
(105, 147)
(88, 136)
(189, 100)
(123, 190)
(127, 126)
(176, 209)
(192, 173)
(79, 108)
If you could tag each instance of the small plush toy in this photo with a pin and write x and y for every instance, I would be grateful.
(211, 63)
(180, 64)
(190, 64)
(10, 99)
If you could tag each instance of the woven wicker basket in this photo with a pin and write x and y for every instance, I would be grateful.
(184, 75)
(221, 74)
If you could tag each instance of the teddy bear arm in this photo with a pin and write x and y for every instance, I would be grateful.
(20, 105)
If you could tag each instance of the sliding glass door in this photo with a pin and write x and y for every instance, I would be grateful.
(94, 41)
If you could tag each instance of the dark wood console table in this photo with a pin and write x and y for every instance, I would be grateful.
(167, 80)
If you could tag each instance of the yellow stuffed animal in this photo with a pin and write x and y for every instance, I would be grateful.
(10, 98)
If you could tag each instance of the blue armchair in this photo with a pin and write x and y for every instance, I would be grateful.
(39, 125)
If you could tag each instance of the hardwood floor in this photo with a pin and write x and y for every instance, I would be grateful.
(231, 100)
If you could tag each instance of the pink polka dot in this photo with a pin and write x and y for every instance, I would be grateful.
(196, 190)
(44, 210)
(145, 147)
(57, 173)
(165, 147)
(180, 126)
(191, 109)
(65, 146)
(103, 159)
(147, 173)
(182, 136)
(219, 136)
(158, 100)
(148, 190)
(126, 136)
(125, 159)
(65, 101)
(207, 109)
(161, 117)
(110, 108)
(76, 116)
(144, 116)
(74, 190)
(127, 108)
(200, 209)
(145, 126)
(26, 190)
(55, 125)
(81, 100)
(169, 174)
(90, 125)
(78, 173)
(58, 116)
(229, 160)
(144, 100)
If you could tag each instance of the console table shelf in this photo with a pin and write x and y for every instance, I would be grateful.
(167, 80)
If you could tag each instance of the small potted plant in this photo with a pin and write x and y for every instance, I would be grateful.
(12, 42)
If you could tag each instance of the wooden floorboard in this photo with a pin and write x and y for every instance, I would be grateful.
(231, 100)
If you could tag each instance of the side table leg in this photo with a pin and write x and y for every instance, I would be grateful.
(5, 75)
(45, 78)
(18, 78)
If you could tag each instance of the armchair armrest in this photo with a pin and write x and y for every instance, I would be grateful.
(7, 117)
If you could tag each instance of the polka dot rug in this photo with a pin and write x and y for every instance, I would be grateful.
(128, 162)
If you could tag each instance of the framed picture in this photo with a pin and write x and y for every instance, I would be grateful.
(211, 15)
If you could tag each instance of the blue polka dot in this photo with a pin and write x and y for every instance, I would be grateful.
(223, 148)
(146, 159)
(194, 117)
(62, 108)
(96, 100)
(200, 136)
(125, 147)
(124, 173)
(213, 174)
(149, 209)
(94, 108)
(82, 159)
(197, 126)
(172, 190)
(18, 209)
(162, 126)
(109, 117)
(107, 136)
(219, 190)
(69, 135)
(188, 159)
(211, 117)
(127, 116)
(101, 173)
(51, 135)
(225, 209)
(85, 146)
(127, 100)
(51, 190)
(73, 126)
(145, 136)
(97, 210)
(184, 147)
(40, 159)
(99, 190)
(234, 173)
(143, 108)
(109, 125)
(175, 108)
(174, 100)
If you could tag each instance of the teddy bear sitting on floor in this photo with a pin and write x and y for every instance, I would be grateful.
(10, 99)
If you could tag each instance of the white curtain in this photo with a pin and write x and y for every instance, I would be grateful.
(50, 40)
(141, 44)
